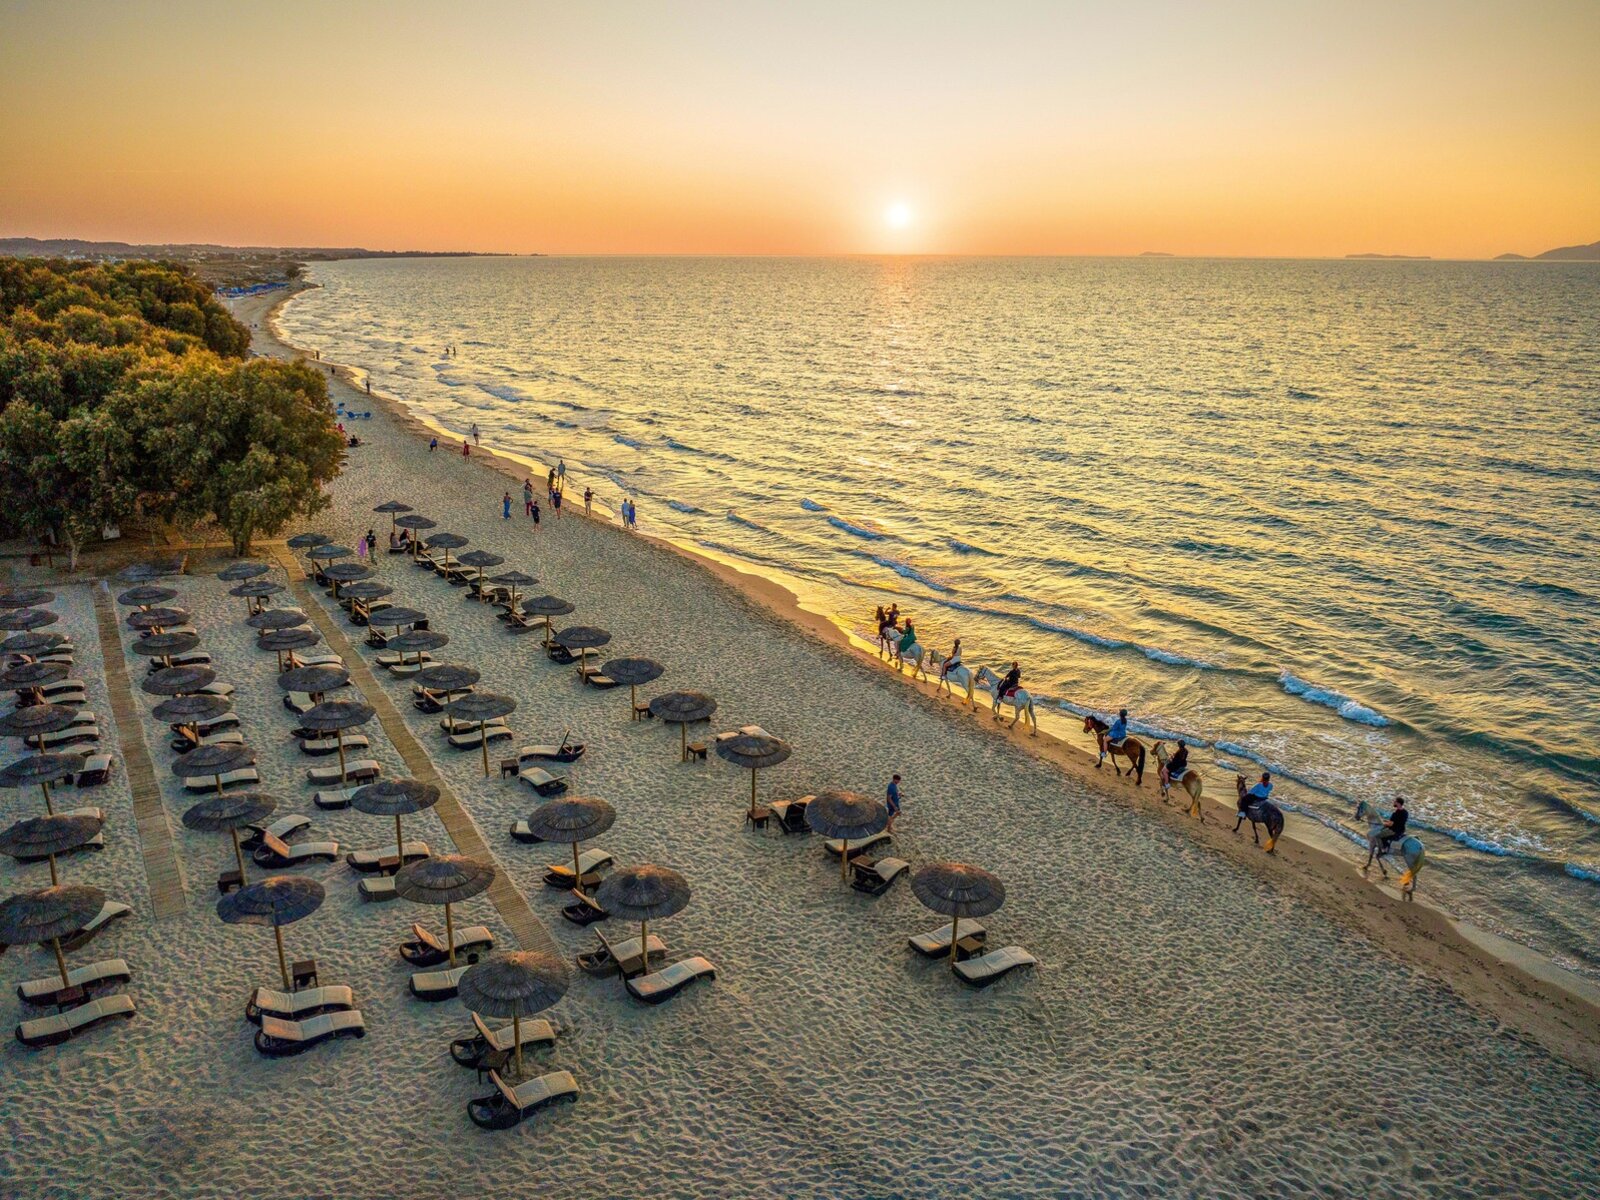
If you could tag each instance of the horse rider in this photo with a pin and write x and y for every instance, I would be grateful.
(953, 661)
(1395, 827)
(893, 616)
(1011, 682)
(1118, 733)
(908, 639)
(1260, 790)
(1176, 765)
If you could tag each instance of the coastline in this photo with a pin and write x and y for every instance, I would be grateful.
(1521, 989)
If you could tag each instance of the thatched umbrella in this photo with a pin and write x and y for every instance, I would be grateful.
(395, 798)
(443, 879)
(233, 813)
(48, 915)
(480, 707)
(178, 681)
(46, 837)
(546, 607)
(254, 591)
(335, 716)
(154, 620)
(396, 616)
(514, 580)
(346, 573)
(189, 712)
(956, 890)
(480, 559)
(446, 542)
(27, 618)
(313, 681)
(36, 720)
(165, 645)
(308, 541)
(147, 594)
(755, 751)
(633, 672)
(392, 507)
(277, 900)
(326, 554)
(26, 598)
(269, 619)
(680, 709)
(215, 761)
(243, 569)
(849, 816)
(32, 676)
(416, 523)
(514, 985)
(583, 638)
(418, 640)
(143, 572)
(367, 589)
(32, 643)
(301, 637)
(41, 769)
(572, 819)
(448, 678)
(643, 893)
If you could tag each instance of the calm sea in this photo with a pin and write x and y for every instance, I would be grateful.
(1335, 518)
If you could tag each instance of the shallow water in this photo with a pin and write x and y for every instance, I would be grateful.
(1337, 518)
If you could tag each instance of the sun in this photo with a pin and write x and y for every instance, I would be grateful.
(898, 215)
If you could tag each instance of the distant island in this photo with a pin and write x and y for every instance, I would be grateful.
(1157, 254)
(1589, 253)
(1402, 257)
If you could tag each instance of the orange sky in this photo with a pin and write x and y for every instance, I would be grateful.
(1453, 129)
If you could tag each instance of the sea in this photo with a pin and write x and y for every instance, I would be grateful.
(1335, 519)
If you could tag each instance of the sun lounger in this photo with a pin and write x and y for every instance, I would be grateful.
(508, 1106)
(328, 745)
(471, 741)
(394, 658)
(369, 860)
(996, 964)
(377, 888)
(669, 981)
(298, 702)
(584, 910)
(296, 1006)
(520, 832)
(61, 686)
(96, 770)
(333, 798)
(560, 654)
(619, 958)
(283, 828)
(791, 815)
(362, 769)
(589, 862)
(433, 986)
(751, 730)
(566, 752)
(429, 948)
(407, 669)
(315, 660)
(108, 972)
(208, 783)
(469, 1051)
(835, 846)
(542, 781)
(224, 737)
(874, 878)
(277, 1038)
(225, 721)
(194, 658)
(70, 736)
(593, 677)
(217, 688)
(275, 852)
(73, 696)
(52, 1031)
(936, 942)
(110, 911)
(470, 726)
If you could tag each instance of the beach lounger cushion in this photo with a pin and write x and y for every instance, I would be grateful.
(937, 941)
(835, 846)
(566, 752)
(469, 1051)
(377, 888)
(666, 983)
(296, 1006)
(278, 1037)
(361, 768)
(110, 911)
(448, 726)
(275, 852)
(471, 741)
(368, 860)
(283, 828)
(619, 958)
(437, 985)
(334, 798)
(874, 879)
(96, 770)
(984, 969)
(208, 783)
(559, 875)
(328, 745)
(542, 781)
(428, 948)
(522, 832)
(106, 973)
(509, 1106)
(52, 1031)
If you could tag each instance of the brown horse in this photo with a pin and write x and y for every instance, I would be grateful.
(1131, 749)
(1191, 782)
(1263, 812)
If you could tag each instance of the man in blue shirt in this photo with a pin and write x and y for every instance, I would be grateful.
(894, 801)
(1119, 729)
(1262, 789)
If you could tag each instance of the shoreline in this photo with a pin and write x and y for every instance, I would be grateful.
(1521, 988)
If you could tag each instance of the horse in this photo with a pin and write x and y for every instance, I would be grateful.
(1019, 699)
(957, 677)
(1258, 812)
(914, 653)
(1409, 846)
(1191, 781)
(1131, 749)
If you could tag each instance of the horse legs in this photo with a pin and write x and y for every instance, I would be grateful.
(1238, 823)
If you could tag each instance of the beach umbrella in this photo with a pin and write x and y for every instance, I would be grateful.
(546, 607)
(681, 708)
(849, 816)
(27, 618)
(254, 591)
(277, 618)
(643, 893)
(328, 553)
(956, 890)
(233, 813)
(481, 559)
(308, 541)
(145, 595)
(755, 751)
(48, 915)
(215, 761)
(418, 640)
(480, 707)
(582, 638)
(277, 900)
(367, 589)
(443, 879)
(346, 573)
(446, 542)
(396, 616)
(633, 672)
(301, 637)
(392, 507)
(41, 769)
(32, 643)
(514, 580)
(32, 676)
(514, 985)
(335, 716)
(165, 645)
(46, 837)
(26, 598)
(313, 681)
(572, 819)
(36, 720)
(148, 620)
(242, 570)
(178, 681)
(415, 522)
(448, 679)
(395, 798)
(190, 711)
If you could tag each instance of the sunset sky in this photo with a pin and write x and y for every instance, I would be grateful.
(1451, 129)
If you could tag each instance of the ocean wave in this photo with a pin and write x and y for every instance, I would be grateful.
(503, 391)
(627, 441)
(746, 522)
(813, 506)
(1349, 709)
(860, 531)
(1587, 874)
(681, 506)
(1299, 394)
(907, 571)
(968, 548)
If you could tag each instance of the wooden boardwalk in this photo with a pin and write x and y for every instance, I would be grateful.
(511, 904)
(168, 896)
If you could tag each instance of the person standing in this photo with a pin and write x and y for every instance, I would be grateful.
(588, 502)
(433, 444)
(476, 438)
(527, 497)
(505, 508)
(372, 544)
(534, 513)
(561, 471)
(555, 502)
(466, 450)
(892, 799)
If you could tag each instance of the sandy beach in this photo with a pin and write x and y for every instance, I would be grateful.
(1204, 1019)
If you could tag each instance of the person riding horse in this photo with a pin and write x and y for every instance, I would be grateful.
(1176, 766)
(908, 639)
(1011, 682)
(1118, 733)
(951, 662)
(1395, 826)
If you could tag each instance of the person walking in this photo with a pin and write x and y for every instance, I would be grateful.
(892, 799)
(466, 450)
(588, 502)
(505, 508)
(561, 471)
(527, 497)
(534, 513)
(372, 544)
(555, 502)
(476, 439)
(433, 444)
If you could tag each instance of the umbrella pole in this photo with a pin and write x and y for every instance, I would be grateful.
(844, 859)
(483, 744)
(633, 701)
(577, 875)
(955, 925)
(218, 778)
(338, 736)
(644, 947)
(516, 1034)
(54, 880)
(61, 961)
(283, 963)
(752, 791)
(238, 853)
(683, 741)
(450, 934)
(399, 842)
(49, 806)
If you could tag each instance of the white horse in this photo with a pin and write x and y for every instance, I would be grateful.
(889, 646)
(1409, 847)
(1020, 700)
(957, 678)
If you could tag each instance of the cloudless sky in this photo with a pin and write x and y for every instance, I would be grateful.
(1464, 128)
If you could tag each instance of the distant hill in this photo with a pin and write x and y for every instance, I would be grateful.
(1403, 257)
(1156, 254)
(1589, 253)
(26, 247)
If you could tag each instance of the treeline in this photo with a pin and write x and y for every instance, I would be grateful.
(125, 391)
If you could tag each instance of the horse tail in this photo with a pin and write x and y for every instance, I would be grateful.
(1194, 797)
(1274, 817)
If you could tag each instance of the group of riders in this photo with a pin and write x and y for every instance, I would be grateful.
(900, 633)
